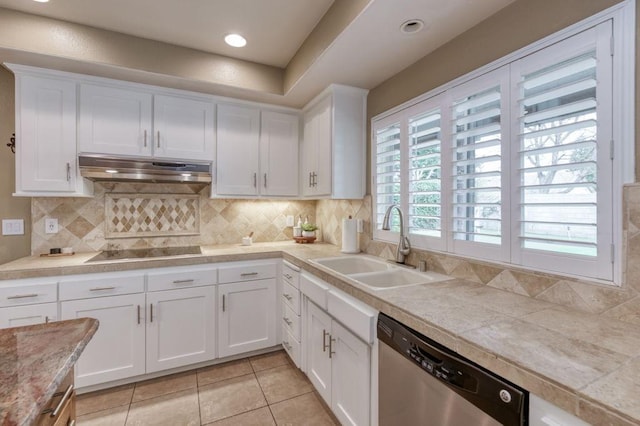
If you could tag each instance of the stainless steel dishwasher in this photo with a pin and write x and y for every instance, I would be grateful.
(424, 383)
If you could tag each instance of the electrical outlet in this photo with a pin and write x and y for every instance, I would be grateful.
(12, 226)
(50, 226)
(290, 220)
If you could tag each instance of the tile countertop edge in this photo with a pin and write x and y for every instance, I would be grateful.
(90, 327)
(569, 398)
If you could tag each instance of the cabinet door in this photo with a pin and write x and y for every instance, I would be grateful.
(350, 377)
(117, 349)
(317, 350)
(180, 327)
(246, 316)
(114, 121)
(237, 150)
(279, 154)
(16, 316)
(46, 135)
(324, 140)
(309, 154)
(183, 128)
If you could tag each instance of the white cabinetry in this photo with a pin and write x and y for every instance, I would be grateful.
(333, 150)
(257, 152)
(181, 317)
(46, 135)
(117, 300)
(26, 302)
(126, 119)
(247, 304)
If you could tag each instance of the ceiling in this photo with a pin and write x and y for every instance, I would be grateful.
(369, 49)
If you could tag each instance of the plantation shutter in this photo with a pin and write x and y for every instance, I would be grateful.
(477, 116)
(387, 171)
(564, 175)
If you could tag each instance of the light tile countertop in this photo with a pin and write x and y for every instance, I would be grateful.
(580, 362)
(34, 360)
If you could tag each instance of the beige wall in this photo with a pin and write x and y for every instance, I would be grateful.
(11, 247)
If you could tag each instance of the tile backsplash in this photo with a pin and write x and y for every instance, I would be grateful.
(86, 224)
(140, 215)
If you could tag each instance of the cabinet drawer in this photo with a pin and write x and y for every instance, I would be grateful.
(291, 297)
(246, 272)
(16, 316)
(109, 284)
(360, 318)
(181, 277)
(291, 321)
(315, 289)
(291, 345)
(28, 294)
(291, 274)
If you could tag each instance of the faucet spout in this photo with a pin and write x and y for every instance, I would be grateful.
(404, 246)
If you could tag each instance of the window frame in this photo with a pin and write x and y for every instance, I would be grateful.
(622, 120)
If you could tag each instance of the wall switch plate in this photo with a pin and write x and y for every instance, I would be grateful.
(12, 226)
(290, 220)
(50, 226)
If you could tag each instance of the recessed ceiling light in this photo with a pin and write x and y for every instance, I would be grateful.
(235, 40)
(111, 171)
(412, 26)
(42, 1)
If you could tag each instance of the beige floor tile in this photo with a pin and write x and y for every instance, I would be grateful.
(260, 417)
(112, 417)
(164, 385)
(230, 397)
(104, 399)
(179, 408)
(282, 383)
(305, 410)
(270, 360)
(225, 371)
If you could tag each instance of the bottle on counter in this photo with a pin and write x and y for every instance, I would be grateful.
(297, 230)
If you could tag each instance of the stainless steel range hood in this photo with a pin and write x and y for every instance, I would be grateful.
(100, 168)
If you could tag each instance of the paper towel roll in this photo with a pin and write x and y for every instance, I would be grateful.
(350, 236)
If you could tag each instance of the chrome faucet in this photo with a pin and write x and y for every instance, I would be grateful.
(404, 246)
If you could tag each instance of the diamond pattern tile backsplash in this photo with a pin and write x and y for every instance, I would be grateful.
(141, 215)
(151, 215)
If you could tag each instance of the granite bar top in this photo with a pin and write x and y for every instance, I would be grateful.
(583, 363)
(34, 360)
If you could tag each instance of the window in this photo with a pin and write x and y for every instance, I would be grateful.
(514, 165)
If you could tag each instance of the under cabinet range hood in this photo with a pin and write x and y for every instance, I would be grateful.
(100, 168)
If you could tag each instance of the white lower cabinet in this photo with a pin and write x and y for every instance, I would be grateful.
(117, 350)
(339, 366)
(180, 327)
(246, 316)
(17, 316)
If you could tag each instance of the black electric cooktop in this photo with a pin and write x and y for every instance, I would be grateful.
(145, 253)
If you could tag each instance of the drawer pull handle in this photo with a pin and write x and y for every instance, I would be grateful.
(61, 403)
(138, 314)
(46, 319)
(223, 302)
(287, 320)
(324, 340)
(151, 312)
(287, 296)
(101, 288)
(287, 345)
(249, 274)
(287, 276)
(183, 281)
(23, 296)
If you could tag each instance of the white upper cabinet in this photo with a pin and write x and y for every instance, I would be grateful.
(114, 121)
(46, 135)
(257, 152)
(333, 150)
(279, 140)
(184, 128)
(126, 121)
(237, 150)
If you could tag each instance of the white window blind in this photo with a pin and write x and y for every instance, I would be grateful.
(562, 176)
(387, 172)
(425, 180)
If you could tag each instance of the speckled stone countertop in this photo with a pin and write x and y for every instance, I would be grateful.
(34, 360)
(586, 365)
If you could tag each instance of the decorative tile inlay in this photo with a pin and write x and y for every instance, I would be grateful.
(151, 215)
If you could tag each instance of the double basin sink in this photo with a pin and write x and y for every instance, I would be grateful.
(376, 273)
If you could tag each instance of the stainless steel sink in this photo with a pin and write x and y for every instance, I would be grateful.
(376, 273)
